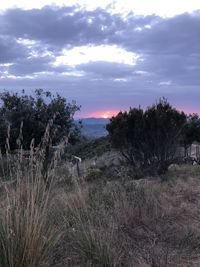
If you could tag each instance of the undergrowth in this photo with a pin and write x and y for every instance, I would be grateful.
(45, 221)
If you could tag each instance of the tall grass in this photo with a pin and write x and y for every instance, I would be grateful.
(26, 233)
(138, 223)
(100, 224)
(89, 241)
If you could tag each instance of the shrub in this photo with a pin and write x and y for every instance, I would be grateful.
(34, 113)
(191, 131)
(148, 139)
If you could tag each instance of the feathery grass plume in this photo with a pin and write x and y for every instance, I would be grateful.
(26, 232)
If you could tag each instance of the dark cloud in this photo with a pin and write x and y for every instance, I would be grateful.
(168, 47)
(30, 65)
(34, 64)
(67, 26)
(10, 50)
(104, 69)
(59, 27)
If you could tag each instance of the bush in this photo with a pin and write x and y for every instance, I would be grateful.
(24, 118)
(148, 139)
(191, 131)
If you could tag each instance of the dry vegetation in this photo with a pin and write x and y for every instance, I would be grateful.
(150, 222)
(144, 223)
(91, 212)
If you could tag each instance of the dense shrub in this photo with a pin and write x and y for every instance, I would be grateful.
(25, 117)
(191, 130)
(148, 138)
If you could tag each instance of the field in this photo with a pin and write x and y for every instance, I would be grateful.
(103, 218)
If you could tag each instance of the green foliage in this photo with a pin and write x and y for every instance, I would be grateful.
(32, 114)
(89, 148)
(93, 174)
(191, 130)
(148, 139)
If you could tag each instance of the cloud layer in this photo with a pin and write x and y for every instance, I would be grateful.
(147, 56)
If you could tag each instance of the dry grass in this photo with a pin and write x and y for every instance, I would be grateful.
(146, 223)
(26, 233)
(84, 236)
(143, 223)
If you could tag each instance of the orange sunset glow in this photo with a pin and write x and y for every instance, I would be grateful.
(103, 114)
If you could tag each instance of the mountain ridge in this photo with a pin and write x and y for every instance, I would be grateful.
(94, 127)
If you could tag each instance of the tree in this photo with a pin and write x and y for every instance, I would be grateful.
(32, 114)
(191, 131)
(148, 138)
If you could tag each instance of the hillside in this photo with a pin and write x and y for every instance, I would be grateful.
(105, 220)
(94, 127)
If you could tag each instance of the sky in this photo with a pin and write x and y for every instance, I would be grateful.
(106, 55)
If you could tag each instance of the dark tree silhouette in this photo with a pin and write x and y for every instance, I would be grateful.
(148, 139)
(191, 131)
(34, 113)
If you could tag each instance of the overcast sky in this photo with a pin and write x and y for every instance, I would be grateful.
(106, 55)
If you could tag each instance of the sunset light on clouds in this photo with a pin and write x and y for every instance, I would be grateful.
(106, 55)
(106, 114)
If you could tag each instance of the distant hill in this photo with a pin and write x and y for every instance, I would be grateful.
(94, 127)
(92, 121)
